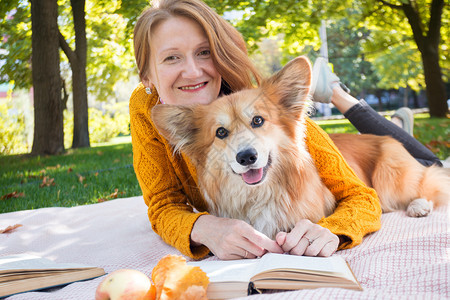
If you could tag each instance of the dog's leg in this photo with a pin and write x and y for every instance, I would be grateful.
(419, 207)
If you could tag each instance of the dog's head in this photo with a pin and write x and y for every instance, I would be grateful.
(241, 136)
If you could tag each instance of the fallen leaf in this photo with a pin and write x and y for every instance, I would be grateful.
(114, 195)
(111, 196)
(47, 181)
(80, 178)
(14, 194)
(9, 229)
(54, 167)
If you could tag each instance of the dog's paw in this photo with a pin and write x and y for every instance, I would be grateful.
(419, 207)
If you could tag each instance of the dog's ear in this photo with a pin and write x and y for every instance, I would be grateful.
(291, 84)
(176, 124)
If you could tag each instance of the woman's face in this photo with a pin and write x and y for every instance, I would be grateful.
(182, 68)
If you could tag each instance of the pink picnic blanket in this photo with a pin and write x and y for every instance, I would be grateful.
(407, 258)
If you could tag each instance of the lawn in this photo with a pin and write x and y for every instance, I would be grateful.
(101, 173)
(78, 177)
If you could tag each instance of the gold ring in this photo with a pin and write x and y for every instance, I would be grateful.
(246, 253)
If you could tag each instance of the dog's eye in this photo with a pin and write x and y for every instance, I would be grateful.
(221, 133)
(257, 121)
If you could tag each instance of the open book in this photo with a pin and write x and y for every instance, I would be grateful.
(238, 278)
(23, 273)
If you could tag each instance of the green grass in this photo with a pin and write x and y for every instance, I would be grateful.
(81, 176)
(103, 172)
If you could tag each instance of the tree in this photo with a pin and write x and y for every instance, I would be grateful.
(105, 62)
(421, 24)
(427, 36)
(77, 59)
(299, 21)
(48, 132)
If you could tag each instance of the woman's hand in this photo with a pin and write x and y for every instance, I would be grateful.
(309, 239)
(231, 239)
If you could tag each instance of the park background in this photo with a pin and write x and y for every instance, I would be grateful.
(64, 126)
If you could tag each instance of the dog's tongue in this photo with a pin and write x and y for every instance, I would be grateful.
(253, 176)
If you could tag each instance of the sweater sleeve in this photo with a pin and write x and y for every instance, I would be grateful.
(358, 211)
(170, 214)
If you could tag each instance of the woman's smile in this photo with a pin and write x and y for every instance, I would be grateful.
(193, 88)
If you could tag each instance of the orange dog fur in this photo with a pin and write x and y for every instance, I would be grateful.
(252, 162)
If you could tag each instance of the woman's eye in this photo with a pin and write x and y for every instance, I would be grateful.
(205, 53)
(170, 58)
(257, 121)
(221, 133)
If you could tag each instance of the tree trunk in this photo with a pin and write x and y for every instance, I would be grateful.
(428, 45)
(48, 118)
(436, 95)
(415, 99)
(79, 85)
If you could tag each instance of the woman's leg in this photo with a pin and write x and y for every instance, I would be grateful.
(367, 120)
(363, 117)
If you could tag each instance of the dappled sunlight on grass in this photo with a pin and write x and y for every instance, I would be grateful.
(77, 177)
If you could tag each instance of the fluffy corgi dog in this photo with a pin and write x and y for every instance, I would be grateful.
(253, 164)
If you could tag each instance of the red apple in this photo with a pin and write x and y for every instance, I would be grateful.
(125, 284)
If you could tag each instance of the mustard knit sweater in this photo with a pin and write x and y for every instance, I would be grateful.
(170, 190)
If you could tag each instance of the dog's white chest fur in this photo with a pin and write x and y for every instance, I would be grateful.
(259, 209)
(268, 207)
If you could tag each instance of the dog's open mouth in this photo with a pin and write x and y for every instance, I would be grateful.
(255, 176)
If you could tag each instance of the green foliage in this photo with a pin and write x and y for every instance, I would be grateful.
(103, 126)
(15, 41)
(376, 39)
(78, 177)
(391, 44)
(110, 51)
(346, 53)
(12, 130)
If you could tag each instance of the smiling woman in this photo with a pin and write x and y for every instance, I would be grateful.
(181, 66)
(187, 54)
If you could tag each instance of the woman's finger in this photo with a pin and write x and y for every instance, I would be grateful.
(261, 241)
(296, 234)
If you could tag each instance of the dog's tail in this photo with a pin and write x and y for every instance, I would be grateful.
(435, 185)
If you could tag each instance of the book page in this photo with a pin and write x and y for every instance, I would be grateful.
(32, 262)
(334, 265)
(228, 270)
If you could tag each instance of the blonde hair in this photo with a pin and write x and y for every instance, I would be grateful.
(228, 48)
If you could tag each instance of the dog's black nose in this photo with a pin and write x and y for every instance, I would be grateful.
(247, 157)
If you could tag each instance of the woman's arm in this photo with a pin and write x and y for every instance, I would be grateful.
(169, 213)
(358, 211)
